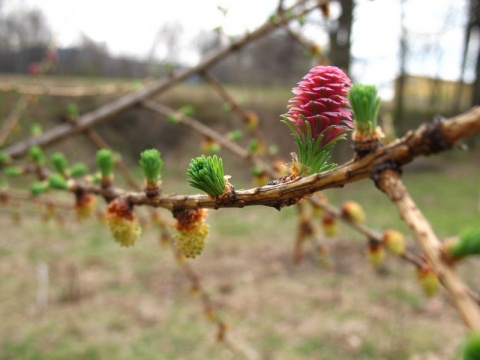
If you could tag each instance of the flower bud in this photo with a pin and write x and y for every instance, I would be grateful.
(394, 241)
(353, 212)
(329, 225)
(375, 253)
(210, 146)
(252, 121)
(84, 205)
(428, 280)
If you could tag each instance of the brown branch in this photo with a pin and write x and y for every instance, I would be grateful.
(389, 181)
(242, 153)
(236, 108)
(68, 91)
(6, 194)
(205, 131)
(13, 117)
(365, 230)
(108, 111)
(427, 139)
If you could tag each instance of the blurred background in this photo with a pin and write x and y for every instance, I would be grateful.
(104, 302)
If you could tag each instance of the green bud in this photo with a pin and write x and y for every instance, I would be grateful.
(105, 163)
(38, 187)
(36, 155)
(4, 158)
(151, 163)
(60, 162)
(206, 174)
(253, 146)
(235, 135)
(365, 105)
(96, 179)
(226, 108)
(256, 171)
(187, 110)
(13, 171)
(468, 243)
(273, 18)
(36, 129)
(173, 118)
(72, 111)
(273, 149)
(78, 170)
(472, 347)
(57, 181)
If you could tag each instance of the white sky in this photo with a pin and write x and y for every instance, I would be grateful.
(130, 26)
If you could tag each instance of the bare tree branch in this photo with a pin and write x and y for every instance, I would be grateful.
(389, 181)
(111, 109)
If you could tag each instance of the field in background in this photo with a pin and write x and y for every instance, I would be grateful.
(108, 302)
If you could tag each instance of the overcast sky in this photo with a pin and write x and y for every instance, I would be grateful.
(130, 26)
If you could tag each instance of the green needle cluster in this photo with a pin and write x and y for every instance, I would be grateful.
(206, 174)
(4, 158)
(365, 105)
(467, 244)
(58, 182)
(36, 155)
(60, 162)
(151, 163)
(472, 347)
(13, 171)
(312, 154)
(105, 163)
(38, 187)
(78, 170)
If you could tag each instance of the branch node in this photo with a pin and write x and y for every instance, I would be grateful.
(434, 137)
(384, 172)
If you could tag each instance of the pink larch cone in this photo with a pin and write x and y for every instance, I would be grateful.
(321, 100)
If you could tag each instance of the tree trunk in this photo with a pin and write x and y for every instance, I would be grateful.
(340, 37)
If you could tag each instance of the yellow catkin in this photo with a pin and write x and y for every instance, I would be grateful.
(428, 281)
(125, 231)
(394, 241)
(353, 211)
(376, 255)
(191, 243)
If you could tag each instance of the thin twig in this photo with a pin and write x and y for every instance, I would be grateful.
(232, 103)
(389, 181)
(67, 91)
(427, 139)
(13, 117)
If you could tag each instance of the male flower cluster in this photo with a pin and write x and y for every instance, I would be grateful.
(192, 231)
(122, 222)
